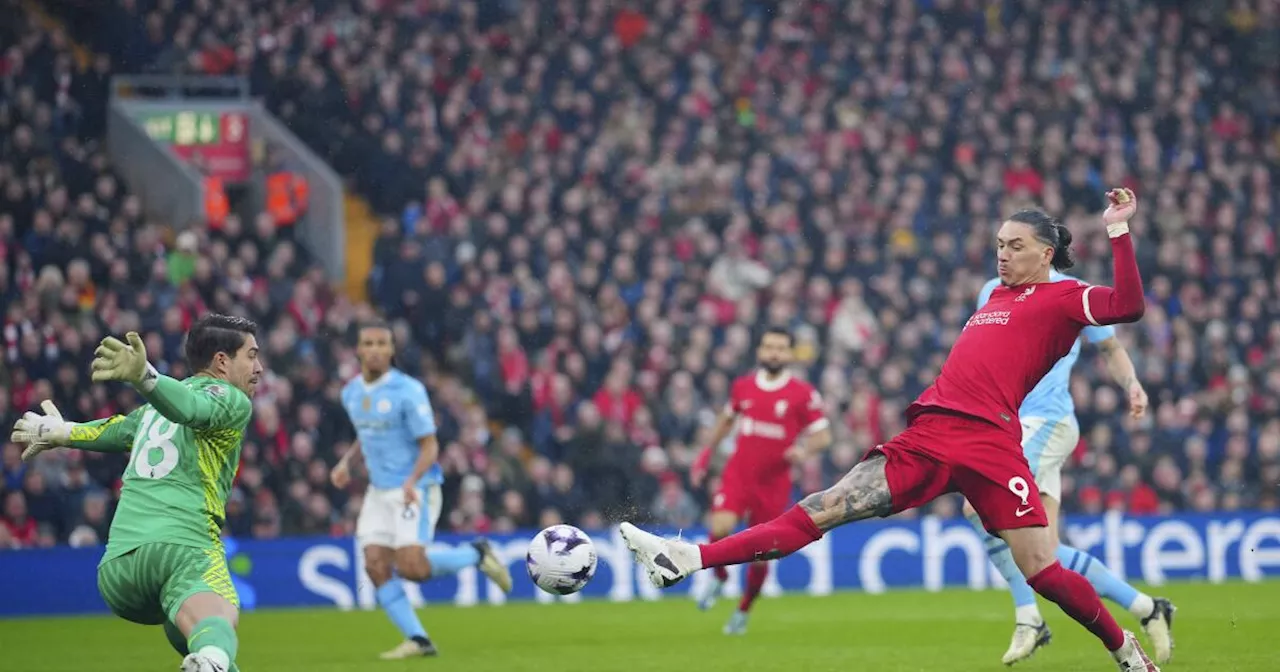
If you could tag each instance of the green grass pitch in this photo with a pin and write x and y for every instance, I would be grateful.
(1224, 628)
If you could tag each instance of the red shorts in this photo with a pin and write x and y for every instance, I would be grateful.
(941, 453)
(753, 503)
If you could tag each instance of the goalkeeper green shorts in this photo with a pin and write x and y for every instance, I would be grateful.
(149, 584)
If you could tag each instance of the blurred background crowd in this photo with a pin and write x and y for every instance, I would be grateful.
(593, 207)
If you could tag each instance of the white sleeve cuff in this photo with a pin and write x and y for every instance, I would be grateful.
(149, 379)
(1088, 312)
(1117, 230)
(817, 425)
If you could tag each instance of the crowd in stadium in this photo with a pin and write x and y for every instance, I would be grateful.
(593, 209)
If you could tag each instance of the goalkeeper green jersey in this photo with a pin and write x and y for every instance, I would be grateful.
(185, 448)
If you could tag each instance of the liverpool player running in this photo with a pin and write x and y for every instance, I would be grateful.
(1049, 435)
(775, 410)
(964, 433)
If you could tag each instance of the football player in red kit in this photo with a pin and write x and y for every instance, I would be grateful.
(963, 432)
(772, 410)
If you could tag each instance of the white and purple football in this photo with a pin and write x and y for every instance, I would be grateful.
(561, 559)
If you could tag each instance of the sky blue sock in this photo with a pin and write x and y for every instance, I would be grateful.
(395, 602)
(1002, 558)
(453, 560)
(1107, 584)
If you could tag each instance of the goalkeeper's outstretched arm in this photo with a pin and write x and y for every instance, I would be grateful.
(42, 432)
(214, 407)
(228, 408)
(107, 435)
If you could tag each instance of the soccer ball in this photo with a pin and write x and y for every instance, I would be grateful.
(561, 559)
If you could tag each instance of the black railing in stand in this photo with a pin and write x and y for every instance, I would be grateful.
(178, 87)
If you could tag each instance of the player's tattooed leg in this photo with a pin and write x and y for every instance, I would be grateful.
(862, 493)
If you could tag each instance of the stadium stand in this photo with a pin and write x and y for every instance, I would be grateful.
(591, 209)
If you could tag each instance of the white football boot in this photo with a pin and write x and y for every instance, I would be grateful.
(1027, 639)
(410, 648)
(492, 565)
(1131, 658)
(201, 662)
(737, 624)
(1159, 629)
(666, 561)
(710, 592)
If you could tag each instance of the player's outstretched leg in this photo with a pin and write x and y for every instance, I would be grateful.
(707, 597)
(1033, 549)
(478, 553)
(416, 563)
(862, 493)
(722, 524)
(1155, 614)
(1030, 632)
(757, 572)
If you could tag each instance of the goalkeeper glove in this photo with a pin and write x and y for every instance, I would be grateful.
(41, 432)
(116, 360)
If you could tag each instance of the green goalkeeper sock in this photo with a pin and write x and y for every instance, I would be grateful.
(215, 638)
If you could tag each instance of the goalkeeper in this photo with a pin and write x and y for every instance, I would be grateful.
(164, 562)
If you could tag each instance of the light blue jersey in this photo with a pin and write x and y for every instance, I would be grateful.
(390, 415)
(1051, 398)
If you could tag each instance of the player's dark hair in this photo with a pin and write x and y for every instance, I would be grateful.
(778, 331)
(375, 324)
(1050, 231)
(216, 333)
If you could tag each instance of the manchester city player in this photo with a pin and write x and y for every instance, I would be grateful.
(1049, 436)
(396, 436)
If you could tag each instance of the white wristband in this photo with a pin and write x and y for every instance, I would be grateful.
(1118, 229)
(149, 379)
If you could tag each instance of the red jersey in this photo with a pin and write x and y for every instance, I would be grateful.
(1013, 340)
(771, 416)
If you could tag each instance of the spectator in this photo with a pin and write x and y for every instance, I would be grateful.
(617, 401)
(582, 235)
(94, 522)
(673, 506)
(12, 470)
(42, 505)
(20, 526)
(734, 276)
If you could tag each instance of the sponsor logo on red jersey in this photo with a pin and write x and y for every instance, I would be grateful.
(772, 415)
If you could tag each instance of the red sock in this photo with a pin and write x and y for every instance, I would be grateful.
(1077, 597)
(721, 573)
(757, 572)
(781, 536)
